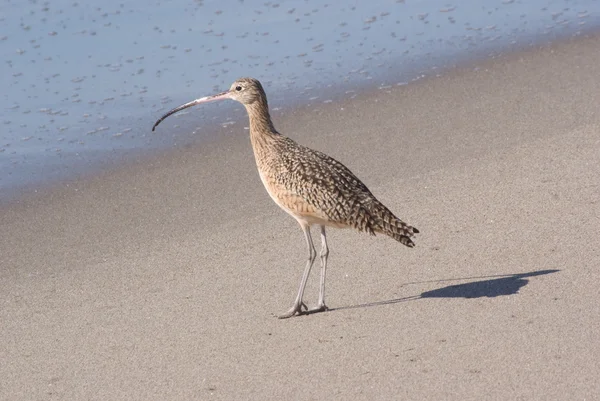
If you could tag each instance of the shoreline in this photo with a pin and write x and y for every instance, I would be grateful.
(212, 122)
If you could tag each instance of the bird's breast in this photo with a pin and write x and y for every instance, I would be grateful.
(295, 205)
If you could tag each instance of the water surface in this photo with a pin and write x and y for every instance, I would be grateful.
(83, 82)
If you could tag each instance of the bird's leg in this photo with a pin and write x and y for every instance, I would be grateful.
(312, 254)
(324, 253)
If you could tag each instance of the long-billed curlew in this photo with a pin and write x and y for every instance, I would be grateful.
(309, 185)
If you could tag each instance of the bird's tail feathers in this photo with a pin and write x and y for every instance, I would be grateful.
(388, 224)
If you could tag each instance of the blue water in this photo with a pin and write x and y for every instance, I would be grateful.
(83, 82)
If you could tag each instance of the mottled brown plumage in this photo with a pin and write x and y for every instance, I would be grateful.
(309, 185)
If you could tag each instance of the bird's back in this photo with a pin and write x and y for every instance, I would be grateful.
(313, 186)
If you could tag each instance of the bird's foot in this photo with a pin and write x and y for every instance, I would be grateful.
(299, 309)
(319, 308)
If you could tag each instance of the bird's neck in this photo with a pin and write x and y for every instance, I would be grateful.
(262, 131)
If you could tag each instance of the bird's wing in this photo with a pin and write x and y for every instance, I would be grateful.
(327, 189)
(324, 184)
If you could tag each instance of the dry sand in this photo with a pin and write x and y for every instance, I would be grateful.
(160, 281)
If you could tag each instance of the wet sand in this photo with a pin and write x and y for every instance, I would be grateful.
(161, 280)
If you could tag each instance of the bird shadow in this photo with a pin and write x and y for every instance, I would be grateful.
(495, 286)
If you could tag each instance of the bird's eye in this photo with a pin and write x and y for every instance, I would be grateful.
(238, 88)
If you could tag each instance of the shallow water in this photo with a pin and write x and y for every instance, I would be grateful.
(83, 83)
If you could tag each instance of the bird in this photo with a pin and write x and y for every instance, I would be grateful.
(312, 187)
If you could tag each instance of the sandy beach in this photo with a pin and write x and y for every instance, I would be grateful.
(161, 280)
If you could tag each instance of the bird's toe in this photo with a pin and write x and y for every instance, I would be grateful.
(296, 309)
(318, 308)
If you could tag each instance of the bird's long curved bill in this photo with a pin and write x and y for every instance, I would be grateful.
(218, 96)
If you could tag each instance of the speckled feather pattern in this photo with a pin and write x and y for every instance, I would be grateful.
(311, 185)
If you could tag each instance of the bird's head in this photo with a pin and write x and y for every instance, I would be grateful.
(244, 90)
